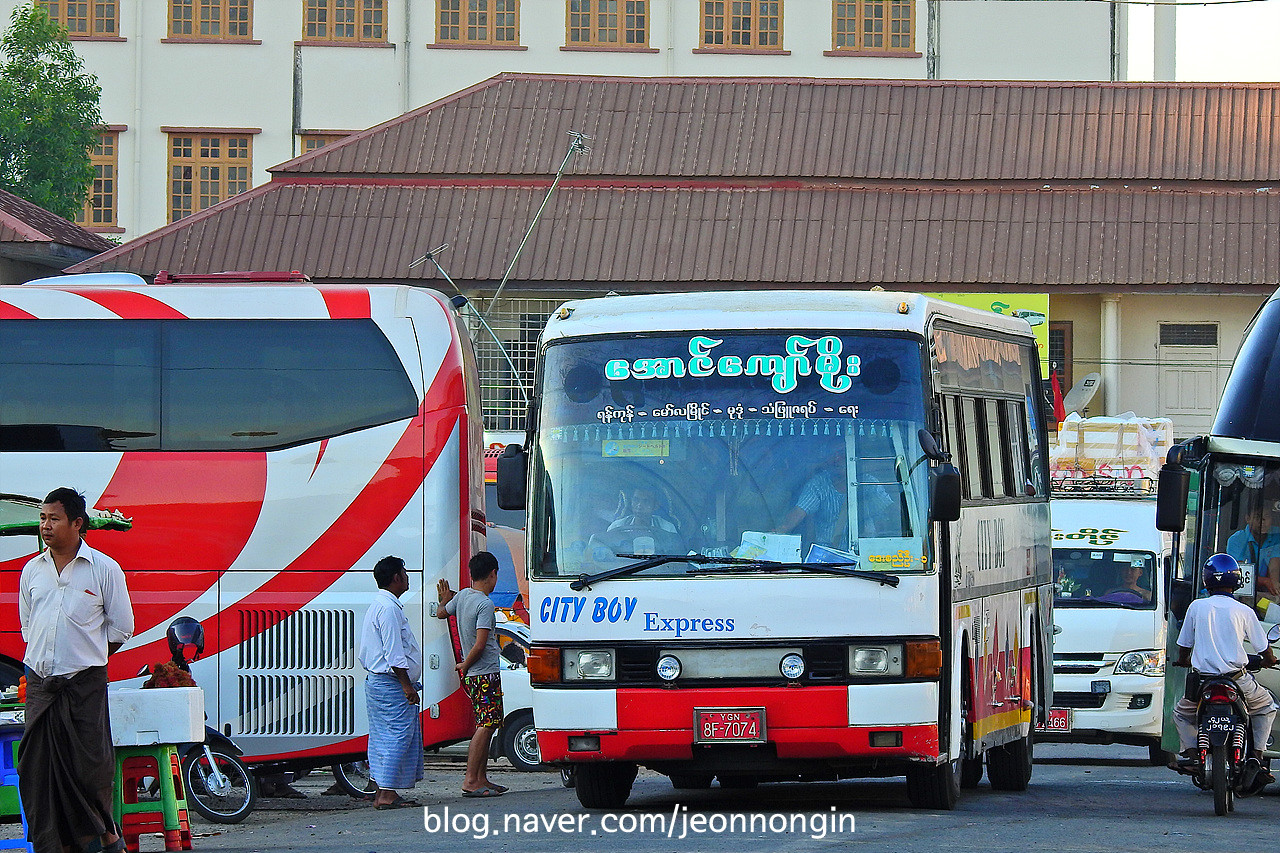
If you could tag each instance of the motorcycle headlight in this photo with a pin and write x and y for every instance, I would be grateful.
(1148, 662)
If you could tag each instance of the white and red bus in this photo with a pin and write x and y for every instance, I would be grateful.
(270, 440)
(688, 618)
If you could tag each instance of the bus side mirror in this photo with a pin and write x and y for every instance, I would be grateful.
(1171, 498)
(513, 476)
(944, 503)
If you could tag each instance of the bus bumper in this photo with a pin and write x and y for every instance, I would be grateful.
(801, 724)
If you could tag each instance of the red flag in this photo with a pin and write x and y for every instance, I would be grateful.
(1059, 411)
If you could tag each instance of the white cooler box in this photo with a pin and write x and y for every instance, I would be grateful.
(160, 715)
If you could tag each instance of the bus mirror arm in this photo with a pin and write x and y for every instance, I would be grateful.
(513, 477)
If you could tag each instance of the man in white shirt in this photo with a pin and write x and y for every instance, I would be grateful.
(1212, 643)
(75, 612)
(391, 656)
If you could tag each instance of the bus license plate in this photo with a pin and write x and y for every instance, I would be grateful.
(1059, 720)
(728, 725)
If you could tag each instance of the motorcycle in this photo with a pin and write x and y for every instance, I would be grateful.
(1224, 739)
(219, 784)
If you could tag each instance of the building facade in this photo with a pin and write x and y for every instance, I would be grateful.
(201, 97)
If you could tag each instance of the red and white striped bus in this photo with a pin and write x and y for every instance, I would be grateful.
(269, 439)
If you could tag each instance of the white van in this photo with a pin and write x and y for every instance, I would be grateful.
(1109, 568)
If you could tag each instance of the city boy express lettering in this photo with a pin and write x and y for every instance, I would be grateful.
(803, 357)
(680, 626)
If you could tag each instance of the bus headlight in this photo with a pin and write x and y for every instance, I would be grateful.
(1149, 662)
(791, 666)
(588, 664)
(875, 660)
(669, 667)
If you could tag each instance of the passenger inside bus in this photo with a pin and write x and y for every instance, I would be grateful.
(1258, 544)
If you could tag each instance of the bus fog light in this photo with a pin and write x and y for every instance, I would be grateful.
(791, 666)
(584, 743)
(669, 667)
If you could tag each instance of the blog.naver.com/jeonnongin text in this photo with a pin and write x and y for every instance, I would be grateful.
(677, 824)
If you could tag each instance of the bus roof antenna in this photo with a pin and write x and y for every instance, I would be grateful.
(577, 146)
(434, 257)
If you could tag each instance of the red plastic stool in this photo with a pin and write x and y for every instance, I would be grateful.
(134, 765)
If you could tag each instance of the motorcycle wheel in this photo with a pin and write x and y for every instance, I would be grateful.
(353, 777)
(231, 805)
(1218, 773)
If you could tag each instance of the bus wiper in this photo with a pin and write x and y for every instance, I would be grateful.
(727, 565)
(842, 569)
(1094, 602)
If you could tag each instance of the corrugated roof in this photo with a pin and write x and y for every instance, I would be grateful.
(857, 130)
(24, 222)
(683, 238)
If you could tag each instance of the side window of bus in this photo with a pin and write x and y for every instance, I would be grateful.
(195, 384)
(971, 432)
(951, 431)
(1015, 425)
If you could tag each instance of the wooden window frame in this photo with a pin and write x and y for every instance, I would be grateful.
(466, 26)
(196, 22)
(101, 208)
(96, 26)
(717, 32)
(840, 36)
(624, 12)
(194, 158)
(364, 12)
(314, 140)
(1065, 326)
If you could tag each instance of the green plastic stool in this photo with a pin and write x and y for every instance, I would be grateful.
(159, 761)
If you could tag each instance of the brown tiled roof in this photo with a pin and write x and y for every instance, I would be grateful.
(24, 222)
(681, 238)
(698, 182)
(516, 125)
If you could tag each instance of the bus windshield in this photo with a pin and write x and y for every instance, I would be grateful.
(737, 445)
(1241, 517)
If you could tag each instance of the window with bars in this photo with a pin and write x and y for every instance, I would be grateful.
(495, 22)
(608, 23)
(1189, 334)
(1060, 352)
(100, 207)
(873, 25)
(345, 20)
(231, 20)
(99, 18)
(312, 141)
(742, 24)
(206, 168)
(517, 323)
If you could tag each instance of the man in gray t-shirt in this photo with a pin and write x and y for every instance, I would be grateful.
(479, 665)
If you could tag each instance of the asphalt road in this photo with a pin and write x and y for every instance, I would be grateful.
(1082, 798)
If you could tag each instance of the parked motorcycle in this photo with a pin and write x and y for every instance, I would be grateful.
(1224, 739)
(219, 784)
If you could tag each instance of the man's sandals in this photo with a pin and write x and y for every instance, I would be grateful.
(397, 803)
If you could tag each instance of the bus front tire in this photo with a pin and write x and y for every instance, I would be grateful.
(935, 786)
(605, 785)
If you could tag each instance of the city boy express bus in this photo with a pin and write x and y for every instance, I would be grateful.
(1222, 492)
(269, 440)
(750, 559)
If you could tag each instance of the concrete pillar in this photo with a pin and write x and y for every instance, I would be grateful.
(1110, 368)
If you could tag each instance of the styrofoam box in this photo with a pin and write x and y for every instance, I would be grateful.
(160, 715)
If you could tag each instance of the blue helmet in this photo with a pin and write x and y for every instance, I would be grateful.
(1221, 571)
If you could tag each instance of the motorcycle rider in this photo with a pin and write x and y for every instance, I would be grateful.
(1212, 643)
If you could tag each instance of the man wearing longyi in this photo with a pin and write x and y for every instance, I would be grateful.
(75, 613)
